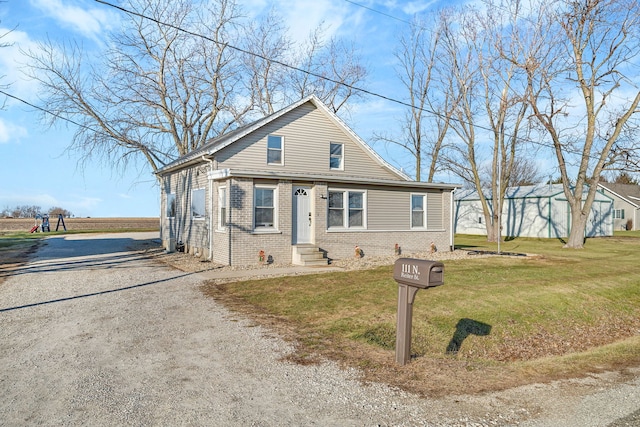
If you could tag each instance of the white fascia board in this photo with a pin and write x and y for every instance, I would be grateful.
(620, 196)
(219, 174)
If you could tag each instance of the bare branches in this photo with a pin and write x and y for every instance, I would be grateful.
(333, 59)
(593, 46)
(162, 90)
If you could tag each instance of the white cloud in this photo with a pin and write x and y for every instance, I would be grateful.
(88, 21)
(302, 17)
(413, 7)
(12, 61)
(10, 132)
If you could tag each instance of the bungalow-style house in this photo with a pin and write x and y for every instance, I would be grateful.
(533, 211)
(297, 187)
(626, 204)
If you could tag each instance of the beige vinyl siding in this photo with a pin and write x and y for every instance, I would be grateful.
(434, 211)
(389, 209)
(307, 134)
(194, 233)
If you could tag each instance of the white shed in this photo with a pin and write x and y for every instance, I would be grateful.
(533, 211)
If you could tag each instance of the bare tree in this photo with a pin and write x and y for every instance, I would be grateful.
(267, 83)
(56, 210)
(490, 93)
(158, 93)
(587, 53)
(162, 91)
(4, 44)
(330, 69)
(524, 172)
(26, 211)
(426, 121)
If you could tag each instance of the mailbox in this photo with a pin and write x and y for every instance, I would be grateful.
(419, 273)
(412, 275)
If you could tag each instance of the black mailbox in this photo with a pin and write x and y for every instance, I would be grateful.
(419, 273)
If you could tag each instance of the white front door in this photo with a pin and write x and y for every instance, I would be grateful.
(302, 217)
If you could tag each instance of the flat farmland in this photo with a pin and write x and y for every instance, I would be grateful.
(83, 224)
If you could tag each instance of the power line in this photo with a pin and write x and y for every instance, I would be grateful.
(56, 115)
(246, 52)
(379, 12)
(283, 64)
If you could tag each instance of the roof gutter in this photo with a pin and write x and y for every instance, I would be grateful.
(210, 161)
(221, 174)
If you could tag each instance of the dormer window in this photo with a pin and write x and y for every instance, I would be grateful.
(336, 156)
(274, 149)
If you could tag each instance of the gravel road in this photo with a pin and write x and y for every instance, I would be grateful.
(92, 333)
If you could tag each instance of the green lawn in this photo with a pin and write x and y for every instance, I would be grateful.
(558, 313)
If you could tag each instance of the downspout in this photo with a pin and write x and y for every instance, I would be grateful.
(451, 221)
(210, 208)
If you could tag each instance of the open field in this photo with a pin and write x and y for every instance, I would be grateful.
(84, 224)
(498, 322)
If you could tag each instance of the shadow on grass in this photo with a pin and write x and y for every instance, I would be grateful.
(464, 328)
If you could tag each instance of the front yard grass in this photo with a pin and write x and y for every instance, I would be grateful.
(497, 322)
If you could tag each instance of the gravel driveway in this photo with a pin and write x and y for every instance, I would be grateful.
(92, 333)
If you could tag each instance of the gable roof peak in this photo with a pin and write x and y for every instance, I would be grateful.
(216, 144)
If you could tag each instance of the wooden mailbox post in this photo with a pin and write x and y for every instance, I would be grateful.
(412, 275)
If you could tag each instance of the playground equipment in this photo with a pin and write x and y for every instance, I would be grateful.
(45, 223)
(61, 220)
(42, 223)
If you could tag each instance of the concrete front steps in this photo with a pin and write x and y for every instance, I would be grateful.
(308, 255)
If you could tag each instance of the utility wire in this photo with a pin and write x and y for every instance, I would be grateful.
(379, 12)
(311, 73)
(246, 52)
(283, 64)
(56, 115)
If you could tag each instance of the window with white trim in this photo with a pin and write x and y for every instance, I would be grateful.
(275, 149)
(336, 156)
(198, 203)
(265, 214)
(222, 208)
(171, 205)
(418, 211)
(347, 209)
(618, 213)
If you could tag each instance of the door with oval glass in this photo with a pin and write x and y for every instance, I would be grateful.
(302, 217)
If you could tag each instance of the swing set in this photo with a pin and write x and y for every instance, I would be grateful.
(42, 223)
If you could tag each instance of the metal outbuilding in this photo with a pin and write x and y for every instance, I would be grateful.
(533, 211)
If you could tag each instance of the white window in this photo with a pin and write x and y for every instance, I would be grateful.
(356, 209)
(618, 213)
(275, 150)
(198, 203)
(265, 215)
(171, 205)
(418, 211)
(336, 156)
(347, 209)
(222, 208)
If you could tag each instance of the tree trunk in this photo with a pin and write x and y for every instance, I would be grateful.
(578, 227)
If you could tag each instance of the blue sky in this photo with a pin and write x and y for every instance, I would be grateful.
(36, 170)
